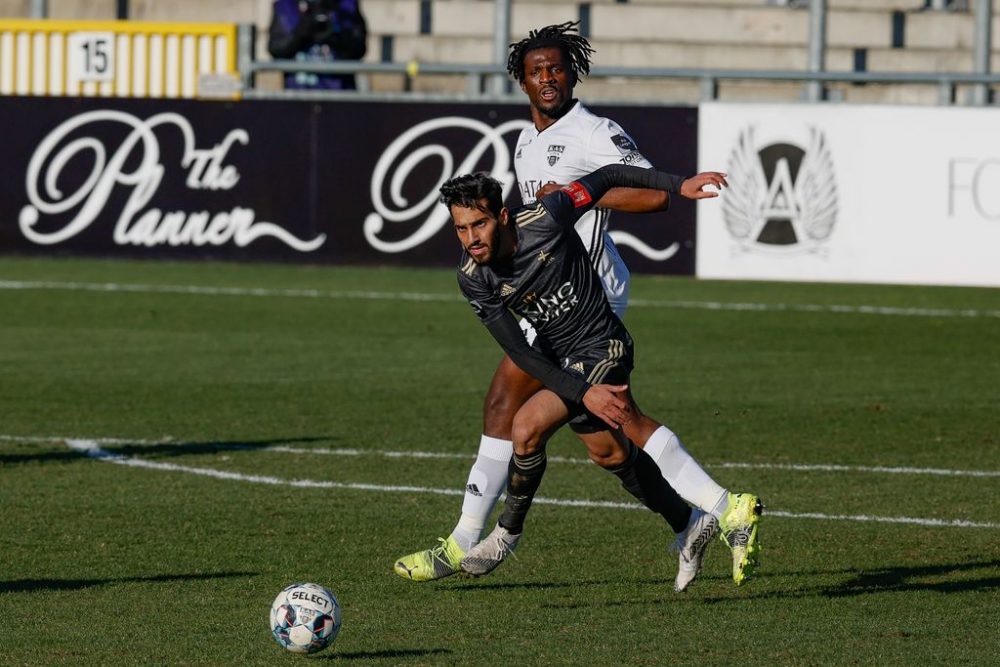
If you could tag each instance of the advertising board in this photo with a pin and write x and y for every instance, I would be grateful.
(319, 182)
(877, 194)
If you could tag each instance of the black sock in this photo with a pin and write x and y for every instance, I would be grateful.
(523, 477)
(641, 478)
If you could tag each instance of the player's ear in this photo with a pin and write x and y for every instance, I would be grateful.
(504, 215)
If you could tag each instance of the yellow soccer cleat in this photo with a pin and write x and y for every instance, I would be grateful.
(437, 563)
(738, 529)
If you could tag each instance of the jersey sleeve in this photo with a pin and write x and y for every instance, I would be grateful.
(508, 334)
(484, 302)
(610, 144)
(504, 328)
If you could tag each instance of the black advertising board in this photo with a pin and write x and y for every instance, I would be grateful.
(317, 182)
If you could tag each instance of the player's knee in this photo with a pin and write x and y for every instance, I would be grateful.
(528, 436)
(607, 457)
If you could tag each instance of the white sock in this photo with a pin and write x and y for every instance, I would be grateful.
(487, 480)
(684, 473)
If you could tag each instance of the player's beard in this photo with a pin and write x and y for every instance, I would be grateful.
(493, 249)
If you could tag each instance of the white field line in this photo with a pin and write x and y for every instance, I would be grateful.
(390, 454)
(93, 450)
(801, 467)
(419, 296)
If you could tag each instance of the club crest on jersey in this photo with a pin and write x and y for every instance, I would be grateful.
(577, 193)
(555, 152)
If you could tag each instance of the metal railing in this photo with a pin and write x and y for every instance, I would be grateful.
(478, 75)
(488, 81)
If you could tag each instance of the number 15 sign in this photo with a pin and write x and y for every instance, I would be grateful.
(91, 56)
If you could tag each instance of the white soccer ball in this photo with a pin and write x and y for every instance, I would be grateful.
(305, 618)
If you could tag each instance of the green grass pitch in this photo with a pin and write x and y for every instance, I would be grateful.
(867, 418)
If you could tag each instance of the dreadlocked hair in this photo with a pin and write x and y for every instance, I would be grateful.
(562, 36)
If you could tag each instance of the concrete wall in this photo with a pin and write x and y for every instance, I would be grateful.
(739, 34)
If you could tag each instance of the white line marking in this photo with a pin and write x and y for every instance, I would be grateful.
(390, 454)
(93, 450)
(801, 467)
(226, 291)
(419, 296)
(818, 308)
(903, 470)
(952, 523)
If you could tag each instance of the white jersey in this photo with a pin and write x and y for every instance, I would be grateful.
(572, 147)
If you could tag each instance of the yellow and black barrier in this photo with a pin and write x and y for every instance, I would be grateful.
(118, 59)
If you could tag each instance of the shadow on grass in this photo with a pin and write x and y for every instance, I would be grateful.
(471, 583)
(890, 579)
(525, 586)
(33, 585)
(388, 653)
(61, 453)
(863, 582)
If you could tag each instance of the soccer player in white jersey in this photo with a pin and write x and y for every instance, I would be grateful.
(566, 142)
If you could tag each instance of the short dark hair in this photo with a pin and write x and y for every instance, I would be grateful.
(468, 191)
(575, 47)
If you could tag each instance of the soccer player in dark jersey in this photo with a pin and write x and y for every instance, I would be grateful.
(529, 262)
(547, 64)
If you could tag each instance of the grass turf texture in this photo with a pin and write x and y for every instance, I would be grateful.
(108, 564)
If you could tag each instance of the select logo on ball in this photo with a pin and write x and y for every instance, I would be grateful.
(305, 618)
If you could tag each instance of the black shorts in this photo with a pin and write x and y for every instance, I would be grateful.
(610, 364)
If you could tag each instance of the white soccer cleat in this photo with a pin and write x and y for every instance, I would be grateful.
(691, 546)
(488, 554)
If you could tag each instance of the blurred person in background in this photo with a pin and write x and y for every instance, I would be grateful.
(317, 31)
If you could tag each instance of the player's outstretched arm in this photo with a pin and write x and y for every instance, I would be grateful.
(694, 187)
(626, 200)
(572, 201)
(639, 200)
(634, 200)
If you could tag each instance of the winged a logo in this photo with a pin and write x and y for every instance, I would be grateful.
(783, 197)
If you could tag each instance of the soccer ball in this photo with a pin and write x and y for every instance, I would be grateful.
(305, 618)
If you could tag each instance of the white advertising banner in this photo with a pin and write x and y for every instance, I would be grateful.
(876, 194)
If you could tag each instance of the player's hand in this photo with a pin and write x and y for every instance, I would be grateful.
(608, 402)
(694, 187)
(547, 189)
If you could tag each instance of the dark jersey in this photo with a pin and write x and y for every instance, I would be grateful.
(551, 282)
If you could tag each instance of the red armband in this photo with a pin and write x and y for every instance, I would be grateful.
(577, 193)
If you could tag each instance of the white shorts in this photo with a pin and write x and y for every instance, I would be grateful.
(615, 277)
